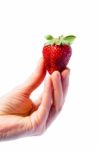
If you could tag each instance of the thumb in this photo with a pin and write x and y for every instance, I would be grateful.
(35, 78)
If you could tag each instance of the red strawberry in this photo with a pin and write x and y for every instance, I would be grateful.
(57, 52)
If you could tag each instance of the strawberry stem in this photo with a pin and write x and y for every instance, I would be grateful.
(61, 40)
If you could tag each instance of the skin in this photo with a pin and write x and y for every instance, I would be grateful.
(20, 116)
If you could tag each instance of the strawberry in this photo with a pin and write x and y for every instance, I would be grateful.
(57, 52)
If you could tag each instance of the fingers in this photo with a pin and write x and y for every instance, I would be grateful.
(60, 86)
(57, 97)
(57, 88)
(35, 79)
(65, 81)
(42, 113)
(54, 91)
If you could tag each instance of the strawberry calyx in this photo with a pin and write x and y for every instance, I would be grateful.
(61, 40)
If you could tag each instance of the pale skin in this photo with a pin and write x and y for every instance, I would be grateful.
(21, 116)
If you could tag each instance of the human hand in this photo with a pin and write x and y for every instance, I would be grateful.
(21, 116)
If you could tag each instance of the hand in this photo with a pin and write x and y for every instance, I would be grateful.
(21, 116)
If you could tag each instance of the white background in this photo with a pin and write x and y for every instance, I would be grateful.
(23, 24)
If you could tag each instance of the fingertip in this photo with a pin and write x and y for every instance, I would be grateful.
(40, 68)
(56, 75)
(65, 73)
(65, 80)
(35, 79)
(41, 63)
(41, 59)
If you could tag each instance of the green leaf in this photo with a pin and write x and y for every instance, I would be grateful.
(61, 40)
(50, 42)
(68, 39)
(48, 37)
